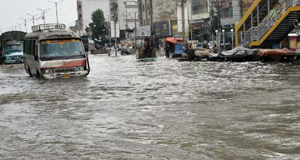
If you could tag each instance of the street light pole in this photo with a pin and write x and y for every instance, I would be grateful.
(56, 8)
(183, 24)
(43, 14)
(231, 38)
(115, 25)
(223, 39)
(134, 27)
(217, 38)
(32, 17)
(25, 23)
(126, 25)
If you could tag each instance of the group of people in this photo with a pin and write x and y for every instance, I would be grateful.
(149, 47)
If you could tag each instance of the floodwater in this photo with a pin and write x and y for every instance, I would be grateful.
(153, 110)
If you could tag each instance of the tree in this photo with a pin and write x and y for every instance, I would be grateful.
(97, 26)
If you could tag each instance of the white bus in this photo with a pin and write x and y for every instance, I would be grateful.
(52, 52)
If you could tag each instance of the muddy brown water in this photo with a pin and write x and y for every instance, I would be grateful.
(153, 110)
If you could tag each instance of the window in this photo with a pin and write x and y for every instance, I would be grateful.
(226, 13)
(29, 47)
(199, 6)
(61, 48)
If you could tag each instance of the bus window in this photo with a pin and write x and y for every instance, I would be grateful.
(61, 48)
(14, 47)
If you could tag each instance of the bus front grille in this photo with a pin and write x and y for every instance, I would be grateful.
(64, 69)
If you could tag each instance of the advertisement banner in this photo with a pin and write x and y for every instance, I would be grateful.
(162, 29)
(179, 19)
(112, 31)
(144, 31)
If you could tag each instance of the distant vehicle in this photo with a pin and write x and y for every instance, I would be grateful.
(85, 41)
(176, 45)
(12, 47)
(52, 52)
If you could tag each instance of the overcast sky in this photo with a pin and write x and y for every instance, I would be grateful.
(12, 10)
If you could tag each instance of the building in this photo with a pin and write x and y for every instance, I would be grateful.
(85, 8)
(200, 20)
(164, 10)
(230, 12)
(128, 18)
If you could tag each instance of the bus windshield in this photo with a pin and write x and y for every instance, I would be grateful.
(63, 48)
(14, 47)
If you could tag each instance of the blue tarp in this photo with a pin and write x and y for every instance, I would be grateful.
(178, 49)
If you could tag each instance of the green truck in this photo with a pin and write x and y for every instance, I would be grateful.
(11, 47)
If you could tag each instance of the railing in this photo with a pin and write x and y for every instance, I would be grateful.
(256, 33)
(49, 26)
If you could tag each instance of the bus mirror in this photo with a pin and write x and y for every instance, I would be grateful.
(35, 57)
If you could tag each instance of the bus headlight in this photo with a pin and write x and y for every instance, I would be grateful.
(81, 68)
(48, 71)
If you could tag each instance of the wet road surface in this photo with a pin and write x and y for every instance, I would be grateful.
(153, 110)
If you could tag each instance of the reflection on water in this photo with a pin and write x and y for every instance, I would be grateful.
(154, 110)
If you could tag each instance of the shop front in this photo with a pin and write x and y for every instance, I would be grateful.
(200, 30)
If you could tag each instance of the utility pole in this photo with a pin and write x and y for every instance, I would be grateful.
(183, 24)
(126, 25)
(115, 25)
(56, 8)
(134, 27)
(43, 13)
(151, 13)
(211, 13)
(108, 26)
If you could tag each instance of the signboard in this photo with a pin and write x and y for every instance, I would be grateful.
(179, 19)
(162, 29)
(144, 31)
(112, 31)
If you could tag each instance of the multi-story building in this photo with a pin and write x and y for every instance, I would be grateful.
(207, 16)
(85, 8)
(164, 10)
(230, 12)
(127, 12)
(200, 20)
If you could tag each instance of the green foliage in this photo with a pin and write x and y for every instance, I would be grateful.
(97, 26)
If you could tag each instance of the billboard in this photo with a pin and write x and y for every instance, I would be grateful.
(162, 29)
(144, 31)
(112, 31)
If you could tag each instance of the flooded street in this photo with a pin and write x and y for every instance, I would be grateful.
(153, 110)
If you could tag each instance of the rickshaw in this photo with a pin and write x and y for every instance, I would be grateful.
(176, 45)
